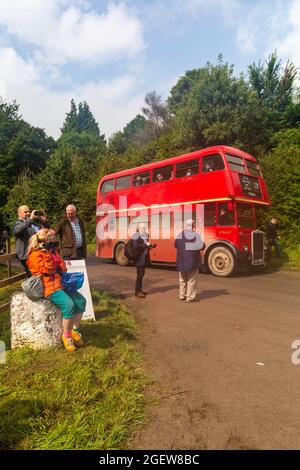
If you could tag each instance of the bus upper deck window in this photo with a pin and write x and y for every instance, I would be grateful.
(123, 182)
(107, 186)
(212, 163)
(253, 168)
(236, 163)
(188, 168)
(141, 179)
(163, 173)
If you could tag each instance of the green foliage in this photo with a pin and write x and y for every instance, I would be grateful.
(217, 108)
(134, 134)
(258, 112)
(81, 120)
(91, 399)
(274, 86)
(281, 168)
(23, 148)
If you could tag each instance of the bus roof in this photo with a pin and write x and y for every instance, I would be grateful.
(179, 158)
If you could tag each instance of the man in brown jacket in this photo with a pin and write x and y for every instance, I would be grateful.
(72, 235)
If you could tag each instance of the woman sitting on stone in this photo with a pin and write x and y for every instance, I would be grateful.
(44, 259)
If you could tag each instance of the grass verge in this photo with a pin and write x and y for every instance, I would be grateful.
(90, 399)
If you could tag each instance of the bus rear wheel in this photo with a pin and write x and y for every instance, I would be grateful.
(120, 257)
(221, 261)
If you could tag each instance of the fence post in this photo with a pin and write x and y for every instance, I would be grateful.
(8, 248)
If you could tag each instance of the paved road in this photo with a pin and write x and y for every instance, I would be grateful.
(205, 358)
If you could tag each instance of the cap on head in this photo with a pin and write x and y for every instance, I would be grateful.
(141, 227)
(189, 225)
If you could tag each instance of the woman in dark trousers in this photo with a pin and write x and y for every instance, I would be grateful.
(141, 247)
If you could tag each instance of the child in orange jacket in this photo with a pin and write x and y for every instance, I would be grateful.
(44, 259)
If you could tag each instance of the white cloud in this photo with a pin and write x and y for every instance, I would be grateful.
(65, 31)
(62, 31)
(289, 45)
(113, 103)
(267, 26)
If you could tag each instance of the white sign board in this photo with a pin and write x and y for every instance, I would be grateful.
(78, 266)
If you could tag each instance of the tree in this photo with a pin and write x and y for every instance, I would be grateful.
(281, 169)
(274, 86)
(23, 148)
(273, 83)
(134, 135)
(155, 111)
(217, 108)
(81, 119)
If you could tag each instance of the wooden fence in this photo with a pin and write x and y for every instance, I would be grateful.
(7, 258)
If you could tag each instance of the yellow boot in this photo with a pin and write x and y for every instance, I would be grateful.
(77, 338)
(68, 343)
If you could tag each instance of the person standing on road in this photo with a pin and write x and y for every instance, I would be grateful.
(72, 235)
(273, 236)
(188, 245)
(141, 247)
(27, 224)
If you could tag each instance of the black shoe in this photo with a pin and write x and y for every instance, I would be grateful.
(140, 295)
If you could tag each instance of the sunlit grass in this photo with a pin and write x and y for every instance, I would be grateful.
(90, 399)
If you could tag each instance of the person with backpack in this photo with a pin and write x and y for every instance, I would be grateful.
(44, 260)
(140, 247)
(188, 245)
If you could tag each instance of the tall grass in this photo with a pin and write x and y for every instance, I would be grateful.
(90, 399)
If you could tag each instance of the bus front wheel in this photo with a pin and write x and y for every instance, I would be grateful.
(120, 257)
(221, 261)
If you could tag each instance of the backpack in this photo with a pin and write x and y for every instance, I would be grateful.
(33, 287)
(72, 281)
(130, 251)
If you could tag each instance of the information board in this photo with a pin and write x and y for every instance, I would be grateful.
(79, 266)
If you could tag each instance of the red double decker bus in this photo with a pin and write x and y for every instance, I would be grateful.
(219, 187)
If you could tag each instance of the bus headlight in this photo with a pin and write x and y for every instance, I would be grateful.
(245, 248)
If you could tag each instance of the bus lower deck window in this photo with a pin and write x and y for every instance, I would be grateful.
(225, 214)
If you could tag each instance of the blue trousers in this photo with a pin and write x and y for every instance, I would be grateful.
(70, 303)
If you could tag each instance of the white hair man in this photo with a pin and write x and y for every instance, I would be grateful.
(72, 234)
(188, 245)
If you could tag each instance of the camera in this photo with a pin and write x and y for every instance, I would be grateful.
(152, 245)
(39, 213)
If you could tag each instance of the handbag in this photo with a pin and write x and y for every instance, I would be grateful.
(72, 281)
(33, 287)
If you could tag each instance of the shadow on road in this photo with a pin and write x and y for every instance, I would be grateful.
(210, 294)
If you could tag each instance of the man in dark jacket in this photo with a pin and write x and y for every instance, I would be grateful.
(188, 244)
(272, 236)
(72, 235)
(141, 246)
(27, 224)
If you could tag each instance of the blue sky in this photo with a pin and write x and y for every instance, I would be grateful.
(111, 53)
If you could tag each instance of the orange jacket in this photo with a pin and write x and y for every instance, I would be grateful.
(40, 262)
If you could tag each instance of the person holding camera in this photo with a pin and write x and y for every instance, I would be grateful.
(141, 247)
(27, 224)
